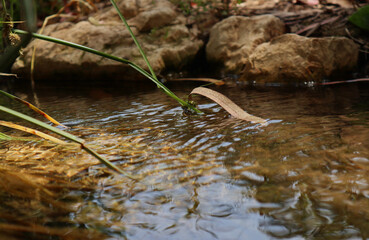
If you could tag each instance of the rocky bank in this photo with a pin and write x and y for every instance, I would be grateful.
(257, 48)
(157, 25)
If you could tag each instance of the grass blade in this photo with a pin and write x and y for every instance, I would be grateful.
(135, 40)
(34, 108)
(153, 75)
(32, 131)
(73, 45)
(4, 137)
(42, 124)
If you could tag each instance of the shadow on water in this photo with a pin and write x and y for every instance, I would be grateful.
(203, 177)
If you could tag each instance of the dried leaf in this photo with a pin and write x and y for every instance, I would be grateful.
(228, 105)
(346, 81)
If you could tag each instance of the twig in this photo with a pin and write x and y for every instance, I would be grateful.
(316, 25)
(346, 81)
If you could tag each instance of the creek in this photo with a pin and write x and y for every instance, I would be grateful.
(303, 176)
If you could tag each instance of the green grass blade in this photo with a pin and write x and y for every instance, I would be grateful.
(154, 78)
(32, 107)
(4, 137)
(4, 6)
(42, 124)
(30, 12)
(73, 45)
(135, 40)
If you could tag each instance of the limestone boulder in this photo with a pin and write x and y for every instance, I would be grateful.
(294, 58)
(233, 39)
(159, 28)
(163, 14)
(129, 9)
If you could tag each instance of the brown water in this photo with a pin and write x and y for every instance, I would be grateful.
(303, 176)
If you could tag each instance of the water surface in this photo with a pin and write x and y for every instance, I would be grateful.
(303, 176)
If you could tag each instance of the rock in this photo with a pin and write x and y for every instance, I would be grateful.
(294, 58)
(129, 9)
(163, 14)
(233, 39)
(159, 29)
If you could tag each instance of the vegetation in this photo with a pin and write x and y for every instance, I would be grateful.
(13, 43)
(44, 203)
(361, 18)
(13, 49)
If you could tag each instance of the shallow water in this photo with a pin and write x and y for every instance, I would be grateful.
(303, 176)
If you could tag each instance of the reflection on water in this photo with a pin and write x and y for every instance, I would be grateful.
(305, 175)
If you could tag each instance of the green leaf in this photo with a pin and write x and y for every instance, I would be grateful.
(361, 18)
